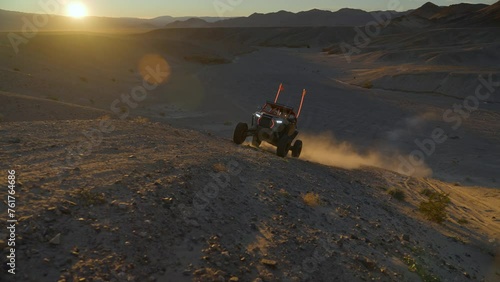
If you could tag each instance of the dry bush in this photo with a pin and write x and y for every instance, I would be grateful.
(396, 193)
(89, 197)
(434, 209)
(141, 120)
(219, 167)
(367, 84)
(311, 199)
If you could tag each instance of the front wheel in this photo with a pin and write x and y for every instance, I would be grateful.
(283, 146)
(297, 149)
(240, 133)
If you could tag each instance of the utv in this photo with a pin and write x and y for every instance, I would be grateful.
(275, 124)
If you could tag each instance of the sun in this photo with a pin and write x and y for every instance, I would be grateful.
(76, 10)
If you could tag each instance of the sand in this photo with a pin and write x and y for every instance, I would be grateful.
(131, 204)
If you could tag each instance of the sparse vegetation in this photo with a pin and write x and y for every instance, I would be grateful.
(83, 79)
(131, 70)
(113, 79)
(92, 102)
(88, 197)
(427, 192)
(141, 120)
(396, 193)
(105, 117)
(284, 193)
(162, 114)
(311, 199)
(219, 167)
(434, 209)
(414, 266)
(367, 84)
(16, 69)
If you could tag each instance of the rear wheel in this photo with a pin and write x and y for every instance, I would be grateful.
(283, 146)
(240, 133)
(256, 142)
(297, 149)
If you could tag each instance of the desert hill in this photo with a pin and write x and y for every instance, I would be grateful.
(134, 204)
(116, 187)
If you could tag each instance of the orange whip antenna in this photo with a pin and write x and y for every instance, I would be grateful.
(301, 102)
(278, 94)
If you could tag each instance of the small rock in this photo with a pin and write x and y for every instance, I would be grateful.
(269, 262)
(56, 240)
(234, 279)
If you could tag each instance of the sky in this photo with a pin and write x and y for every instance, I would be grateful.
(217, 8)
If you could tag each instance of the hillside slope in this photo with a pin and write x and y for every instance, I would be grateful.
(148, 202)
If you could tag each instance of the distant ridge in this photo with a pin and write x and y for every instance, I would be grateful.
(314, 17)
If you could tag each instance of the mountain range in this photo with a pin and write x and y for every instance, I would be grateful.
(428, 14)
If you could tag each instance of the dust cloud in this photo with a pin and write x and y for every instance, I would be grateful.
(323, 148)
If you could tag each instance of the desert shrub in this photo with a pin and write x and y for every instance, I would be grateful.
(219, 167)
(416, 267)
(16, 69)
(311, 199)
(84, 79)
(427, 192)
(397, 193)
(89, 197)
(141, 120)
(367, 84)
(434, 208)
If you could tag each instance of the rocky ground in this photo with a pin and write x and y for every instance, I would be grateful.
(143, 201)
